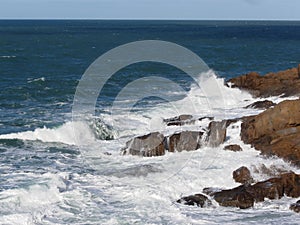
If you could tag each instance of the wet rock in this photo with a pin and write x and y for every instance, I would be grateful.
(242, 175)
(196, 200)
(236, 197)
(217, 133)
(185, 140)
(147, 145)
(180, 120)
(245, 195)
(275, 131)
(295, 207)
(285, 83)
(211, 190)
(261, 104)
(234, 148)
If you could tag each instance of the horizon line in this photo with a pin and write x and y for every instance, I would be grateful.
(159, 19)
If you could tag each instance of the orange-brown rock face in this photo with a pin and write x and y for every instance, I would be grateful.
(285, 83)
(275, 131)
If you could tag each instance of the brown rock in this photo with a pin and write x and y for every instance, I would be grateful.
(180, 120)
(261, 104)
(236, 197)
(196, 200)
(273, 84)
(217, 133)
(147, 145)
(242, 175)
(185, 140)
(275, 131)
(234, 148)
(295, 207)
(244, 196)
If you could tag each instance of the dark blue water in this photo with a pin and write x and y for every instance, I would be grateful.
(60, 52)
(41, 63)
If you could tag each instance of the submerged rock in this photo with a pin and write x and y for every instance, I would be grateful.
(234, 148)
(295, 207)
(261, 105)
(217, 133)
(196, 200)
(242, 175)
(180, 120)
(285, 83)
(147, 145)
(275, 131)
(185, 140)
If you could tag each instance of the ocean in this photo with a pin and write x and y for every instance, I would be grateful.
(57, 170)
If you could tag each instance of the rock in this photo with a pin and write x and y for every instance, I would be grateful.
(147, 145)
(285, 83)
(245, 195)
(261, 105)
(275, 131)
(236, 197)
(295, 207)
(242, 175)
(217, 133)
(185, 140)
(196, 200)
(211, 190)
(298, 70)
(234, 148)
(180, 120)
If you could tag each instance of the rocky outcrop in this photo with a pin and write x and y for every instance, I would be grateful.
(217, 133)
(236, 197)
(147, 145)
(234, 148)
(242, 175)
(244, 196)
(295, 207)
(196, 200)
(275, 131)
(285, 83)
(261, 105)
(185, 140)
(180, 120)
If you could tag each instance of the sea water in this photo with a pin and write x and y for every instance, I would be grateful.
(49, 177)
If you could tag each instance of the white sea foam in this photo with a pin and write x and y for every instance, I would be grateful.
(30, 80)
(130, 189)
(67, 133)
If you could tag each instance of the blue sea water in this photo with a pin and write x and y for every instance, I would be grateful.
(46, 178)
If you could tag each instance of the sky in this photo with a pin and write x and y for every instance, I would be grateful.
(151, 9)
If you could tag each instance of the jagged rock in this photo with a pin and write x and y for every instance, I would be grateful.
(217, 133)
(245, 195)
(261, 105)
(211, 190)
(185, 140)
(196, 200)
(242, 175)
(147, 145)
(275, 131)
(236, 197)
(285, 83)
(234, 148)
(180, 120)
(295, 207)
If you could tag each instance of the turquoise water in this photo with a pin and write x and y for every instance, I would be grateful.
(45, 178)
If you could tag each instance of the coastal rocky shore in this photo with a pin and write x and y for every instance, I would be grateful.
(274, 132)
